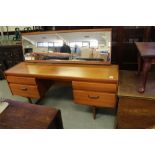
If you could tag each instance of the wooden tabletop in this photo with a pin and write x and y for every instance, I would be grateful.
(146, 49)
(28, 116)
(70, 72)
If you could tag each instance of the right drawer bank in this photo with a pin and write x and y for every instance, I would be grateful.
(95, 94)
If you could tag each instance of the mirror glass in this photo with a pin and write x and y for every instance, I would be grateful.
(84, 45)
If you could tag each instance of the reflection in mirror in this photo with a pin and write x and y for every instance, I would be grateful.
(78, 46)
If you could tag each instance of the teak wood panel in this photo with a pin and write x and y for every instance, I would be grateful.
(41, 88)
(21, 80)
(95, 98)
(101, 87)
(70, 72)
(25, 90)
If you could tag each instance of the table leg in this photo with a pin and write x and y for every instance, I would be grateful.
(139, 64)
(146, 68)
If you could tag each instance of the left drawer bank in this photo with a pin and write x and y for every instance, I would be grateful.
(28, 86)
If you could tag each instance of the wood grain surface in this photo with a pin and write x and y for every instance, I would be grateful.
(92, 98)
(19, 115)
(100, 87)
(70, 72)
(135, 113)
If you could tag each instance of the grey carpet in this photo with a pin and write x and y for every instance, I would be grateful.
(74, 116)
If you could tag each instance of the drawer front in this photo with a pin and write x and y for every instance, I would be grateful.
(95, 98)
(21, 80)
(101, 87)
(25, 90)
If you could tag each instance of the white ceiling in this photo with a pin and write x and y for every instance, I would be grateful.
(70, 37)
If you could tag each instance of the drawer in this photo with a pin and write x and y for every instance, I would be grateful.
(98, 99)
(25, 90)
(91, 86)
(21, 80)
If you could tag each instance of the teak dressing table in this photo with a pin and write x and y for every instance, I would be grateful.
(93, 85)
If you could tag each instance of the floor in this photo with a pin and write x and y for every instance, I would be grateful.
(74, 116)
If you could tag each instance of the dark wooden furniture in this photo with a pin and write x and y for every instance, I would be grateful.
(124, 51)
(135, 113)
(9, 56)
(28, 116)
(145, 59)
(1, 70)
(93, 85)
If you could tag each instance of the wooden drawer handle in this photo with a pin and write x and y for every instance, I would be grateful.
(93, 97)
(24, 88)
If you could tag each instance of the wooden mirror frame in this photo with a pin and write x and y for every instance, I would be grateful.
(70, 61)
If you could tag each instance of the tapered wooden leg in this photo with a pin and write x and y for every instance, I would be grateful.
(146, 68)
(94, 112)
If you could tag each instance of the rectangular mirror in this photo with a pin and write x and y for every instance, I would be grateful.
(72, 45)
